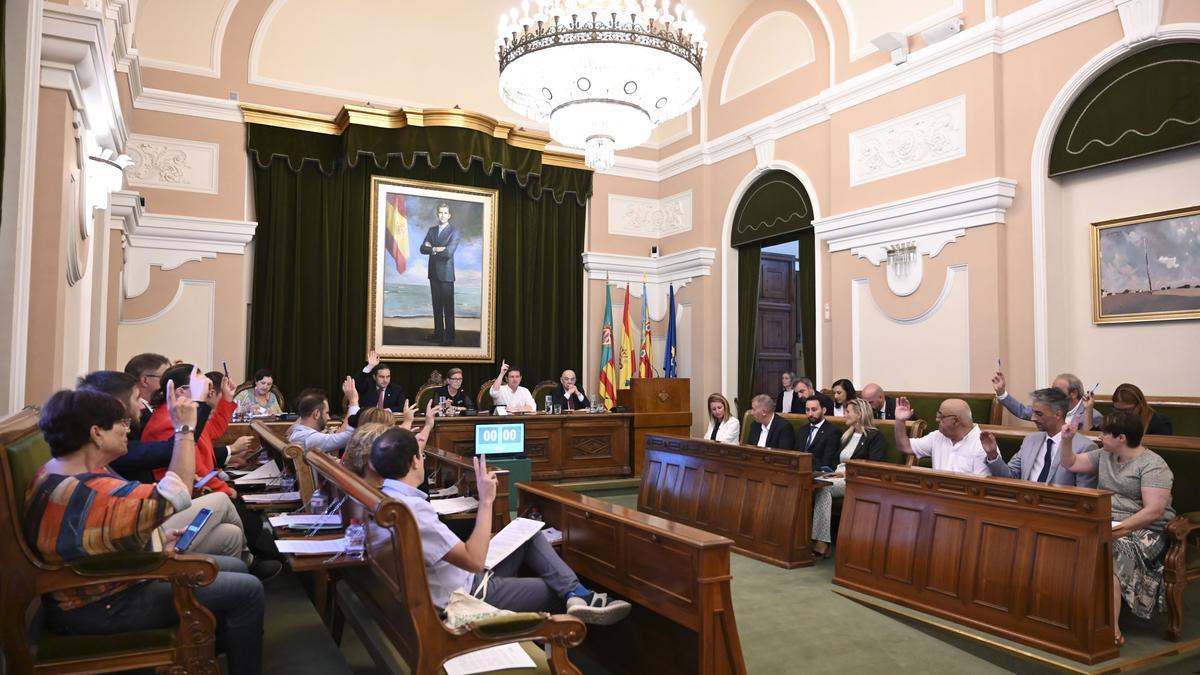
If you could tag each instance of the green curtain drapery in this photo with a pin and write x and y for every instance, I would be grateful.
(309, 311)
(748, 273)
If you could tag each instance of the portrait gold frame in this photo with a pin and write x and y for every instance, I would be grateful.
(489, 198)
(1098, 316)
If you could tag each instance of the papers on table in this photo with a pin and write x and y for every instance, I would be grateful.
(305, 520)
(311, 546)
(444, 492)
(510, 539)
(502, 657)
(267, 473)
(445, 507)
(272, 497)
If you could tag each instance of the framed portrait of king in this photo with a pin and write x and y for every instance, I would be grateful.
(433, 271)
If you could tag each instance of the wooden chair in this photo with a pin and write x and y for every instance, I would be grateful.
(483, 399)
(425, 393)
(305, 482)
(188, 647)
(393, 589)
(541, 390)
(274, 390)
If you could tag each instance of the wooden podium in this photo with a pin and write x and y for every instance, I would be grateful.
(660, 405)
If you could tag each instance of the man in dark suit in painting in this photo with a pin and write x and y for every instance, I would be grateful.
(441, 241)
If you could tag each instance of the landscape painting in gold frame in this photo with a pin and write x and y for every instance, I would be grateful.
(433, 271)
(1147, 268)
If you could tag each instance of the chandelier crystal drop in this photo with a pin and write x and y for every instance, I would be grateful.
(601, 73)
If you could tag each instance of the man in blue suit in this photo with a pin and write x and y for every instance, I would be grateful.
(1038, 458)
(441, 241)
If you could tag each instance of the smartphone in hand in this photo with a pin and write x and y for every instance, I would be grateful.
(200, 482)
(189, 535)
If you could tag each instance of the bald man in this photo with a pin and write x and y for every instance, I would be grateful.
(883, 407)
(568, 394)
(955, 446)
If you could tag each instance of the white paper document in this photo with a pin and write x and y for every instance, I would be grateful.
(311, 546)
(552, 535)
(445, 507)
(502, 657)
(306, 520)
(510, 539)
(272, 497)
(267, 473)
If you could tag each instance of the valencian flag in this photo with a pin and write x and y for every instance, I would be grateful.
(395, 232)
(608, 370)
(669, 352)
(644, 367)
(625, 372)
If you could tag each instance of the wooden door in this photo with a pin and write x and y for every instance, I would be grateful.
(776, 320)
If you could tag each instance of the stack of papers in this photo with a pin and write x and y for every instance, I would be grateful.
(552, 535)
(510, 539)
(445, 507)
(502, 657)
(267, 473)
(272, 497)
(311, 546)
(306, 520)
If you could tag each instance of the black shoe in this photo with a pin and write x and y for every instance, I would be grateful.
(265, 570)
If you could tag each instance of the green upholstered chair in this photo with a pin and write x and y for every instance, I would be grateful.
(26, 578)
(424, 394)
(1184, 411)
(985, 409)
(483, 399)
(541, 390)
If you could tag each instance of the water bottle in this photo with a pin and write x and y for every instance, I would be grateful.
(316, 503)
(549, 404)
(355, 539)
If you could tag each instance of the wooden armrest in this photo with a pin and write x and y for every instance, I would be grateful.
(559, 629)
(187, 571)
(1183, 525)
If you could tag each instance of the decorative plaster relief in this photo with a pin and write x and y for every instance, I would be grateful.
(919, 139)
(650, 218)
(676, 269)
(1140, 19)
(172, 163)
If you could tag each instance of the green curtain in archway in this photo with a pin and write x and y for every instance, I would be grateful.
(309, 311)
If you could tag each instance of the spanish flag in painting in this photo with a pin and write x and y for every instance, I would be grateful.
(395, 232)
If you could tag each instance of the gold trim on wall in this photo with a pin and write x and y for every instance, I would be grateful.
(517, 137)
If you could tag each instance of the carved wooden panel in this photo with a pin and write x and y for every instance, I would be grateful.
(1026, 561)
(760, 498)
(592, 538)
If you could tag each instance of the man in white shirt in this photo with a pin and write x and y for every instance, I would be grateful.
(451, 563)
(309, 431)
(507, 390)
(955, 446)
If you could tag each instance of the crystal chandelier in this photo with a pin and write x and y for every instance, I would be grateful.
(602, 73)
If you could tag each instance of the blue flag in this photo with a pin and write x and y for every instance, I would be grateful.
(669, 352)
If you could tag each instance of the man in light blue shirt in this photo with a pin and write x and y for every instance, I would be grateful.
(451, 563)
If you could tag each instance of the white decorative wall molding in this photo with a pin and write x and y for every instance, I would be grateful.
(1140, 19)
(927, 222)
(207, 328)
(650, 218)
(673, 138)
(172, 163)
(169, 241)
(764, 151)
(678, 269)
(925, 137)
(76, 57)
(997, 35)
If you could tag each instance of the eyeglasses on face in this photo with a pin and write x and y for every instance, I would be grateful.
(941, 417)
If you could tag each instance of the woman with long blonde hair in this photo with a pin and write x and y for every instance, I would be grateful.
(723, 427)
(861, 440)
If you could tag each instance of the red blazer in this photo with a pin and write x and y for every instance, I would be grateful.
(159, 429)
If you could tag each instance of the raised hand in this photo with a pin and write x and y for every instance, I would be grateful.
(1068, 435)
(181, 409)
(410, 412)
(349, 390)
(485, 481)
(227, 388)
(503, 367)
(988, 440)
(998, 383)
(372, 358)
(903, 409)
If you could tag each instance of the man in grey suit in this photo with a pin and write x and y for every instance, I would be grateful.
(1038, 458)
(441, 241)
(1067, 384)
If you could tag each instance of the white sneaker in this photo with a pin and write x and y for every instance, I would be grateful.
(600, 610)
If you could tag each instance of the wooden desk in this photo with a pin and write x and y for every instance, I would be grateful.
(451, 469)
(1029, 562)
(558, 446)
(660, 405)
(676, 576)
(238, 429)
(759, 497)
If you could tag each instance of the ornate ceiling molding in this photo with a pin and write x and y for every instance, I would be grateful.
(678, 269)
(172, 163)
